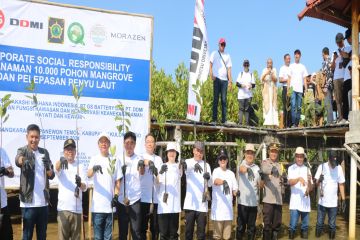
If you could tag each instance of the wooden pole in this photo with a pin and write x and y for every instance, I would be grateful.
(89, 214)
(355, 107)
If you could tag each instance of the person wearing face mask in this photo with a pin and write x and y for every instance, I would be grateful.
(36, 170)
(198, 173)
(245, 82)
(329, 178)
(249, 182)
(224, 188)
(300, 181)
(169, 194)
(269, 79)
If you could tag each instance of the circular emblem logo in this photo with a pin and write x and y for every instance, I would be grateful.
(76, 33)
(2, 19)
(98, 34)
(56, 30)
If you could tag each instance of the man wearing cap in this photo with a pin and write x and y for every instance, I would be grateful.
(272, 201)
(169, 193)
(245, 82)
(220, 73)
(106, 186)
(71, 184)
(36, 170)
(6, 169)
(338, 68)
(197, 175)
(129, 209)
(249, 180)
(284, 78)
(328, 87)
(300, 181)
(149, 189)
(224, 188)
(329, 178)
(298, 84)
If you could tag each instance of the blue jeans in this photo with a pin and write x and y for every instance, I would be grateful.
(102, 226)
(321, 213)
(328, 106)
(220, 88)
(296, 100)
(294, 218)
(34, 216)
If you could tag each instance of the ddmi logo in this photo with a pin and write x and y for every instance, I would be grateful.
(2, 19)
(192, 109)
(26, 23)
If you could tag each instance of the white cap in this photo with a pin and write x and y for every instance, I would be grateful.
(300, 150)
(105, 135)
(172, 146)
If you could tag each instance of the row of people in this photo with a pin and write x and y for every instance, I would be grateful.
(143, 188)
(291, 78)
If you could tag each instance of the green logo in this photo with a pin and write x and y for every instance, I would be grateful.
(56, 30)
(76, 33)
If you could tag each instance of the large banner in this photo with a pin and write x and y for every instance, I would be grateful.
(199, 62)
(57, 46)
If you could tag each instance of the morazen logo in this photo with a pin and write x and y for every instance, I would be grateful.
(98, 34)
(2, 19)
(24, 23)
(128, 36)
(76, 33)
(56, 30)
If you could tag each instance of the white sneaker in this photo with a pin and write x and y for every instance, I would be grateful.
(342, 121)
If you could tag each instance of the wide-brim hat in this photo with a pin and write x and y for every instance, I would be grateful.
(69, 143)
(300, 150)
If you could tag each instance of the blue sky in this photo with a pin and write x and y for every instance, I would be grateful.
(256, 30)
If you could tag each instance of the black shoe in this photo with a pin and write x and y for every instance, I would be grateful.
(267, 235)
(332, 234)
(318, 233)
(251, 236)
(291, 234)
(274, 235)
(304, 234)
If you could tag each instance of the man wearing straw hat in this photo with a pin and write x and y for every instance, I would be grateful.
(249, 180)
(224, 188)
(329, 178)
(272, 201)
(169, 193)
(197, 174)
(6, 231)
(71, 179)
(300, 181)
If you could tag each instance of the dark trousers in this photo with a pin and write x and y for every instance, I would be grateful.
(346, 89)
(145, 217)
(321, 214)
(244, 107)
(272, 215)
(168, 226)
(220, 89)
(6, 231)
(200, 218)
(34, 216)
(246, 220)
(129, 214)
(286, 106)
(295, 101)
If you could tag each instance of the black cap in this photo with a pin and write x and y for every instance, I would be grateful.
(332, 154)
(222, 154)
(69, 143)
(339, 37)
(246, 62)
(347, 33)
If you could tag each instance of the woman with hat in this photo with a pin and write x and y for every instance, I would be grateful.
(169, 194)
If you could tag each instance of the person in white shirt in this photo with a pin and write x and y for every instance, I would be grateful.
(129, 209)
(36, 170)
(347, 98)
(297, 83)
(6, 231)
(249, 182)
(269, 80)
(338, 68)
(224, 188)
(329, 178)
(245, 82)
(149, 203)
(300, 181)
(106, 187)
(198, 173)
(220, 73)
(71, 179)
(284, 79)
(169, 193)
